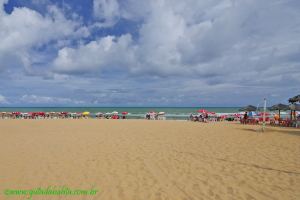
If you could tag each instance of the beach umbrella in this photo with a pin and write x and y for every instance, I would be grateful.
(16, 113)
(295, 99)
(86, 113)
(202, 111)
(124, 113)
(237, 115)
(295, 107)
(248, 108)
(115, 112)
(262, 113)
(279, 107)
(161, 113)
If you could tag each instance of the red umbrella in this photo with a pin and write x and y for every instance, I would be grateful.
(41, 113)
(262, 114)
(16, 113)
(124, 113)
(202, 111)
(211, 113)
(267, 115)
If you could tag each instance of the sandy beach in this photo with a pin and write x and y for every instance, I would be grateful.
(150, 160)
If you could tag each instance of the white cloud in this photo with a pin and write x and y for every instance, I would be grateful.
(24, 29)
(110, 51)
(107, 11)
(204, 38)
(35, 99)
(3, 99)
(203, 47)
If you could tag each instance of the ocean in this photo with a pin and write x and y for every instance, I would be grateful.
(134, 112)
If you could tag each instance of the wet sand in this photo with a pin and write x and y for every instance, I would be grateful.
(151, 160)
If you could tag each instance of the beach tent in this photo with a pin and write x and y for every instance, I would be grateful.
(248, 108)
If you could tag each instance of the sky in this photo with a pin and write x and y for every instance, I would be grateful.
(148, 52)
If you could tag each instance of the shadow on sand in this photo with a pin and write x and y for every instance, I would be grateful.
(271, 129)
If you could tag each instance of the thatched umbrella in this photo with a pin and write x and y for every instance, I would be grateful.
(295, 99)
(248, 108)
(279, 107)
(294, 107)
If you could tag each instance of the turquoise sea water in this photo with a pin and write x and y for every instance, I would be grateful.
(134, 112)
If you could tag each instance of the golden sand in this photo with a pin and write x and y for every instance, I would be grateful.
(150, 160)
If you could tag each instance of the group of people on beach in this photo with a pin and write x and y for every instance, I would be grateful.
(206, 118)
(199, 118)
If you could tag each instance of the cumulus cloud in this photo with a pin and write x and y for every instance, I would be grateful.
(110, 51)
(25, 29)
(212, 48)
(106, 11)
(204, 38)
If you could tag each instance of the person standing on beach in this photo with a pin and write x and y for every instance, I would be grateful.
(245, 117)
